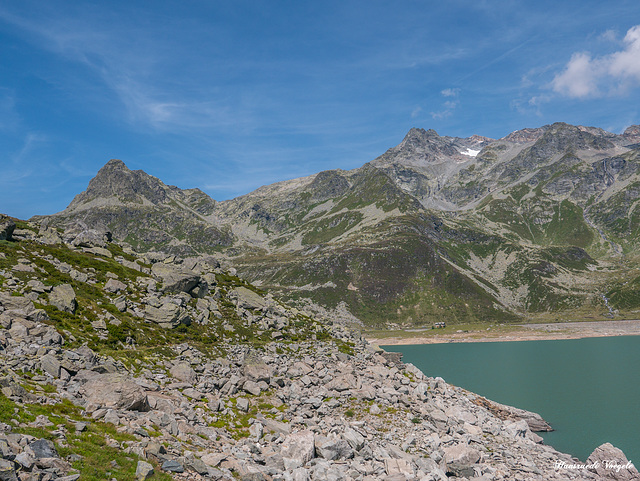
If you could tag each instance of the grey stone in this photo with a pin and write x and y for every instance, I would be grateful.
(183, 372)
(197, 465)
(242, 404)
(50, 364)
(172, 466)
(255, 369)
(252, 388)
(354, 438)
(7, 471)
(168, 315)
(25, 460)
(333, 448)
(7, 226)
(461, 454)
(247, 299)
(610, 463)
(43, 448)
(144, 471)
(175, 279)
(112, 391)
(114, 286)
(64, 298)
(90, 238)
(298, 449)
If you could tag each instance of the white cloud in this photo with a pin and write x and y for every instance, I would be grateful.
(614, 73)
(449, 105)
(450, 92)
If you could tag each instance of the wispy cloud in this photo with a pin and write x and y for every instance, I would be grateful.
(614, 74)
(449, 105)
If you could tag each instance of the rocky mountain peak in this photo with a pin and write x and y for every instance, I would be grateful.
(632, 133)
(525, 135)
(420, 146)
(563, 137)
(116, 183)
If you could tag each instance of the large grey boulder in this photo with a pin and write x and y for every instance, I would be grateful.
(175, 279)
(332, 448)
(43, 448)
(50, 364)
(298, 449)
(7, 226)
(610, 463)
(183, 372)
(461, 454)
(19, 306)
(64, 298)
(91, 238)
(248, 299)
(7, 471)
(112, 391)
(48, 235)
(168, 315)
(144, 471)
(114, 286)
(255, 369)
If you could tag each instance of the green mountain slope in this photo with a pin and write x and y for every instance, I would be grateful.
(541, 222)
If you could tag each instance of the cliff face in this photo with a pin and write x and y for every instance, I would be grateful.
(116, 364)
(534, 224)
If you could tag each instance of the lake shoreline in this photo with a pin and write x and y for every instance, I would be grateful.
(524, 332)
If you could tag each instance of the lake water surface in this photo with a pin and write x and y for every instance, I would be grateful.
(587, 389)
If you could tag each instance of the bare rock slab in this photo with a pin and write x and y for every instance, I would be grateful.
(298, 449)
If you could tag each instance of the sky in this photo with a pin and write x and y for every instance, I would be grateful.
(231, 95)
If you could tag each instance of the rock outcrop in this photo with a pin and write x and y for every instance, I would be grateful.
(250, 388)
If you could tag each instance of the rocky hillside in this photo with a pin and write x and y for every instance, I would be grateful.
(541, 222)
(120, 366)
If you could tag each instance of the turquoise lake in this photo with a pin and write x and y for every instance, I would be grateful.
(587, 389)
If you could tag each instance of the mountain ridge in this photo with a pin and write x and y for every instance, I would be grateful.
(459, 207)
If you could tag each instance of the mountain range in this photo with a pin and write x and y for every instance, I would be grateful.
(539, 224)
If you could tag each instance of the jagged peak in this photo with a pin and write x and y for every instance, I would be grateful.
(525, 135)
(116, 163)
(632, 131)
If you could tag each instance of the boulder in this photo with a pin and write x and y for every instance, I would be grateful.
(175, 279)
(610, 463)
(354, 438)
(17, 306)
(298, 449)
(183, 372)
(48, 235)
(112, 391)
(255, 369)
(64, 298)
(172, 466)
(114, 286)
(247, 299)
(7, 226)
(143, 471)
(43, 448)
(332, 448)
(168, 315)
(342, 383)
(50, 364)
(461, 454)
(90, 238)
(7, 471)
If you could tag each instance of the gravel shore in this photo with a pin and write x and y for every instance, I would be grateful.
(524, 332)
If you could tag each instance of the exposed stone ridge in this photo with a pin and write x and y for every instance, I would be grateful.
(309, 400)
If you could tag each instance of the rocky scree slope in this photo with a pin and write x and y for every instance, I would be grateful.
(122, 366)
(541, 221)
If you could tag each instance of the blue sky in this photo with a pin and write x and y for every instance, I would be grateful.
(229, 96)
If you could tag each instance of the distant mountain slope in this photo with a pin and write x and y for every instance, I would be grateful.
(543, 220)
